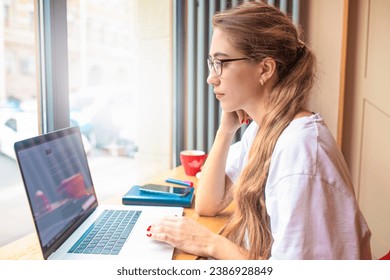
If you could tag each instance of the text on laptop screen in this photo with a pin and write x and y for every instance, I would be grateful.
(58, 183)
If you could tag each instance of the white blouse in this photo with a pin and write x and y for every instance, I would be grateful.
(309, 194)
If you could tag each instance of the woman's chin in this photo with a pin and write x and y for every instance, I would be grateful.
(226, 108)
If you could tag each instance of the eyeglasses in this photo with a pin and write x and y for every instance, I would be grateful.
(216, 64)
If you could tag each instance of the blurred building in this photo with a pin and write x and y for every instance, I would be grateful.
(100, 36)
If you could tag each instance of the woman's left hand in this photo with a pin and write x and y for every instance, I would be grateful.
(184, 234)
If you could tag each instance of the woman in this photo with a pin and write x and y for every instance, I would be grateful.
(290, 184)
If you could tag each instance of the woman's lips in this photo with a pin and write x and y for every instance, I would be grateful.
(219, 95)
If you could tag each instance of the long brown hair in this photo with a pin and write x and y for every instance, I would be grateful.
(259, 31)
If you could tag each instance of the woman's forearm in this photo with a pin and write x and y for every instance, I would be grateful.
(221, 248)
(191, 237)
(211, 189)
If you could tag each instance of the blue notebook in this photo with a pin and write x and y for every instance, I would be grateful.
(136, 197)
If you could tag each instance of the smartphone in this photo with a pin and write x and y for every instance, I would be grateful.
(168, 190)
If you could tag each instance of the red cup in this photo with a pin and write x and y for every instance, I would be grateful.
(192, 161)
(74, 186)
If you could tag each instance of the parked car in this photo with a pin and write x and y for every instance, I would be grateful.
(15, 126)
(19, 125)
(106, 121)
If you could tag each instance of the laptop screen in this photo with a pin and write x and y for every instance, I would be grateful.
(58, 183)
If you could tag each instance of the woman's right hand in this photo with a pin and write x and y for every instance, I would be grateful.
(232, 121)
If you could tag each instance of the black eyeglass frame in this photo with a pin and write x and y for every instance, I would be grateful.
(211, 63)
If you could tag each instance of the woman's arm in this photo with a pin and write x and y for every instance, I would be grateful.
(213, 184)
(187, 235)
(213, 187)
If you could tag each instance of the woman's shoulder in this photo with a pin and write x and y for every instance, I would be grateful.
(304, 128)
(298, 147)
(307, 147)
(301, 135)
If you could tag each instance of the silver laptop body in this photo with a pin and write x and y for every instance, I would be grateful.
(68, 219)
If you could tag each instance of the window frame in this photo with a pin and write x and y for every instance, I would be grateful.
(52, 64)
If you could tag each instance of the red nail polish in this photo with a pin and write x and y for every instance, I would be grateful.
(247, 121)
(149, 235)
(149, 227)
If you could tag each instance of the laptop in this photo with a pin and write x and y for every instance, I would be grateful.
(68, 219)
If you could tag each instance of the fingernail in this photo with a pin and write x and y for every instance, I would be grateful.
(149, 228)
(247, 121)
(243, 121)
(149, 235)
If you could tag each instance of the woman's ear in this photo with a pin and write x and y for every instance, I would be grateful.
(267, 69)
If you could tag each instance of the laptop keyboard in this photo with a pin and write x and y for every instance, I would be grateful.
(108, 234)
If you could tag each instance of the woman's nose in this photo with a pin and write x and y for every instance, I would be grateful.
(212, 79)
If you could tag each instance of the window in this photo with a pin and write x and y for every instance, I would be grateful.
(18, 112)
(120, 87)
(119, 78)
